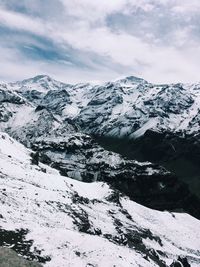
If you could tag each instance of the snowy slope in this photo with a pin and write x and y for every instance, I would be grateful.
(70, 223)
(131, 109)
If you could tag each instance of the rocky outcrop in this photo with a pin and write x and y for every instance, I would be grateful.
(177, 153)
(79, 157)
(9, 258)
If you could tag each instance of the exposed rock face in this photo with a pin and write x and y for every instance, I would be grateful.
(145, 183)
(177, 153)
(181, 262)
(9, 258)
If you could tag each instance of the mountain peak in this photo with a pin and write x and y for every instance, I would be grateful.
(132, 80)
(41, 77)
(42, 83)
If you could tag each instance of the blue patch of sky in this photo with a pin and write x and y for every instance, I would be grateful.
(39, 48)
(38, 8)
(34, 46)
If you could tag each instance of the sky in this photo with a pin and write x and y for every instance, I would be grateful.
(100, 40)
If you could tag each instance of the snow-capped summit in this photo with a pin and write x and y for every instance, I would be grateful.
(41, 83)
(131, 80)
(37, 78)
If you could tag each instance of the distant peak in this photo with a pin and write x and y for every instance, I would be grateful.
(132, 79)
(42, 77)
(40, 83)
(38, 78)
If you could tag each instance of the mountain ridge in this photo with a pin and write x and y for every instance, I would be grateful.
(148, 98)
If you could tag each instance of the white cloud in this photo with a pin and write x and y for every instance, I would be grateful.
(14, 66)
(185, 6)
(22, 22)
(162, 55)
(91, 11)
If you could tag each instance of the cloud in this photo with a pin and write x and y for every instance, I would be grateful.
(21, 22)
(99, 40)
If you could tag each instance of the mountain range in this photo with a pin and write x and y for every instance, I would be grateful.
(86, 167)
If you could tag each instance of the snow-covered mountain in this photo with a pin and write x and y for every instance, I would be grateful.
(126, 107)
(59, 221)
(129, 107)
(52, 118)
(74, 131)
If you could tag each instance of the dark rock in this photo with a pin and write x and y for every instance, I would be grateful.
(17, 239)
(35, 157)
(9, 258)
(181, 262)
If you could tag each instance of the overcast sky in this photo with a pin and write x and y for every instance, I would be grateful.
(99, 40)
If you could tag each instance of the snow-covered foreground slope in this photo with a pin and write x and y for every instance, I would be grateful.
(63, 222)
